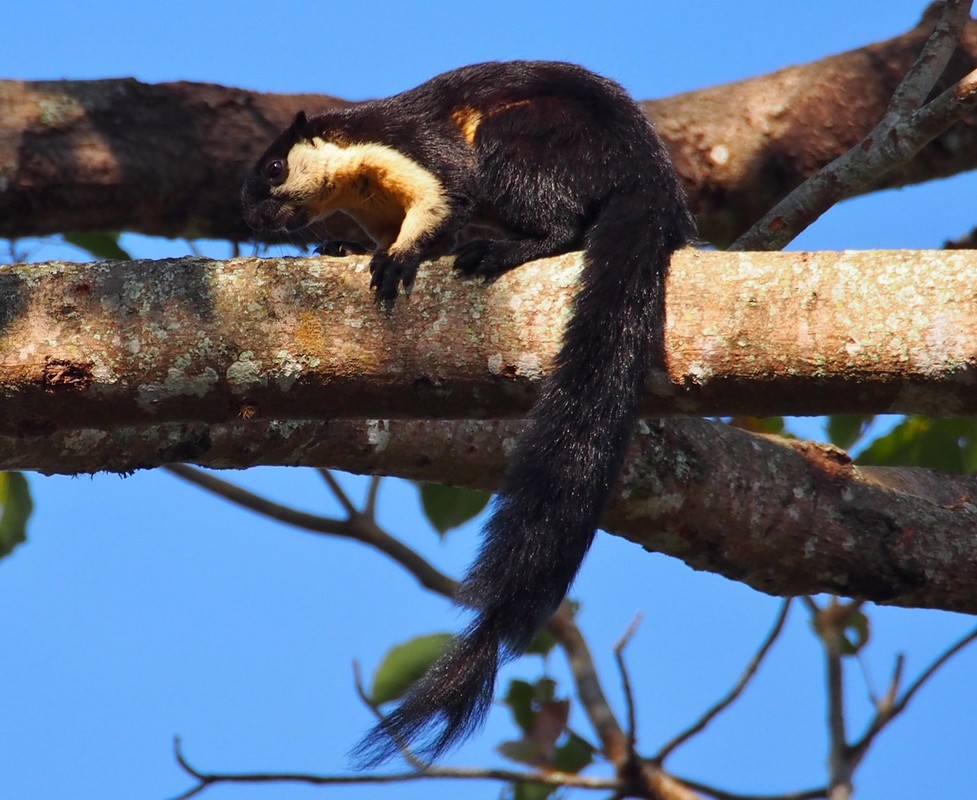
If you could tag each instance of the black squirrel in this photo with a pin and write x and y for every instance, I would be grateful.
(556, 158)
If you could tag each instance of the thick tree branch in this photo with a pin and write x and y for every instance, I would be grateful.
(79, 155)
(166, 347)
(785, 517)
(112, 344)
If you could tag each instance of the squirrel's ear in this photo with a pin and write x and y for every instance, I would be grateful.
(302, 127)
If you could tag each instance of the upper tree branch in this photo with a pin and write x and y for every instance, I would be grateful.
(906, 127)
(168, 159)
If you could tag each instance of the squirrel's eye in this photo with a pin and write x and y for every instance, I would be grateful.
(275, 171)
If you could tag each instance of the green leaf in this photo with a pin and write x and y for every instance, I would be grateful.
(846, 429)
(520, 699)
(448, 507)
(404, 664)
(574, 755)
(948, 445)
(98, 244)
(542, 644)
(15, 497)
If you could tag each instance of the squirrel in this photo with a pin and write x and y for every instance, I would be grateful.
(554, 158)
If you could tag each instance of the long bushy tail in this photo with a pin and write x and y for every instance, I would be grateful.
(560, 474)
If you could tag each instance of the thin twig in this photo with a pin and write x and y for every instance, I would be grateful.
(839, 764)
(370, 509)
(338, 491)
(926, 70)
(831, 623)
(361, 691)
(558, 779)
(905, 128)
(719, 794)
(626, 679)
(886, 713)
(891, 696)
(358, 528)
(612, 737)
(734, 693)
(405, 750)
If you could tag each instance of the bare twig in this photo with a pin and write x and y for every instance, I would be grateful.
(891, 696)
(558, 779)
(626, 680)
(358, 528)
(831, 623)
(811, 605)
(370, 509)
(719, 794)
(922, 76)
(890, 708)
(839, 765)
(734, 693)
(612, 737)
(337, 490)
(844, 758)
(905, 128)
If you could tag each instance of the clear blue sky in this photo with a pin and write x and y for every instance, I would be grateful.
(142, 609)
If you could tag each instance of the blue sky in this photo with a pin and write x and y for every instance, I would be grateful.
(142, 609)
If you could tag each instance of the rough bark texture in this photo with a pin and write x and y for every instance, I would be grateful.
(168, 159)
(743, 146)
(135, 343)
(784, 517)
(167, 347)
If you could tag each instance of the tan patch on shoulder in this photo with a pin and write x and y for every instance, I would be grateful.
(467, 120)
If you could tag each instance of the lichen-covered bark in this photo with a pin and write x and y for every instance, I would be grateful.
(230, 364)
(137, 343)
(169, 159)
(784, 517)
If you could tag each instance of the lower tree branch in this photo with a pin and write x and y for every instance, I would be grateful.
(785, 517)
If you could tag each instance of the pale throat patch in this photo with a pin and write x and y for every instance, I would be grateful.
(397, 201)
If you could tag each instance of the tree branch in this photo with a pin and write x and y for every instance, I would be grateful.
(357, 527)
(905, 128)
(199, 340)
(78, 155)
(556, 779)
(785, 517)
